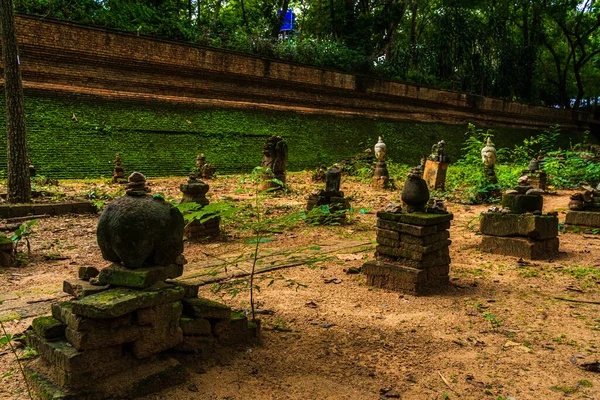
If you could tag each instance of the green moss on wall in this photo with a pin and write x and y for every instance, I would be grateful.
(163, 140)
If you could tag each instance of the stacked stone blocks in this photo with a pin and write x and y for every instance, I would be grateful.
(412, 252)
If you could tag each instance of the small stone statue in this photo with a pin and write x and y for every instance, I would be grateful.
(533, 165)
(438, 152)
(333, 179)
(118, 172)
(275, 154)
(206, 171)
(381, 176)
(380, 150)
(488, 154)
(32, 171)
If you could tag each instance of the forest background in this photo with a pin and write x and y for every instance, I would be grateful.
(543, 52)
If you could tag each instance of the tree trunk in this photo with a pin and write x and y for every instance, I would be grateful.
(19, 185)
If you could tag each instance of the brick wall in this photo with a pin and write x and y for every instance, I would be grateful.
(69, 57)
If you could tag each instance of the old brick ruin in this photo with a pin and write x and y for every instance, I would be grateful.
(116, 337)
(520, 229)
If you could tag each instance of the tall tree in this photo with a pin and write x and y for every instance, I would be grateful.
(19, 185)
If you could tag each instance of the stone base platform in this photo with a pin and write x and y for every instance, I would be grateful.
(521, 247)
(412, 252)
(537, 227)
(401, 278)
(147, 376)
(582, 219)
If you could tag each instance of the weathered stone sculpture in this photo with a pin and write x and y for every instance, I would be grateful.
(140, 230)
(412, 251)
(118, 172)
(31, 167)
(204, 170)
(275, 154)
(195, 191)
(520, 229)
(584, 209)
(381, 176)
(415, 193)
(110, 340)
(332, 198)
(488, 156)
(436, 166)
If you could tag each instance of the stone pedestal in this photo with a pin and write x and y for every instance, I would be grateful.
(522, 203)
(586, 221)
(7, 257)
(381, 177)
(412, 252)
(435, 174)
(336, 203)
(195, 191)
(529, 236)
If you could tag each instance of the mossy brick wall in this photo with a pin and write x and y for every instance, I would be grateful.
(164, 140)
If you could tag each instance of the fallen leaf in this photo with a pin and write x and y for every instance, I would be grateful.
(333, 280)
(471, 379)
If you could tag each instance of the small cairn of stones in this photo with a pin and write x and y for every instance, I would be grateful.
(381, 176)
(584, 209)
(332, 198)
(275, 155)
(194, 191)
(412, 252)
(519, 228)
(206, 171)
(537, 176)
(118, 172)
(436, 166)
(110, 340)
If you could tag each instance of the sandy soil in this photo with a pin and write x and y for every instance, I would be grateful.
(499, 332)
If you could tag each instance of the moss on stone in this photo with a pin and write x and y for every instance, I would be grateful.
(9, 316)
(48, 327)
(231, 139)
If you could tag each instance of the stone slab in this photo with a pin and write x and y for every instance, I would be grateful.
(61, 354)
(48, 327)
(521, 247)
(237, 331)
(442, 260)
(99, 338)
(412, 254)
(413, 248)
(80, 288)
(118, 275)
(410, 229)
(522, 203)
(116, 302)
(435, 174)
(204, 308)
(583, 218)
(418, 218)
(142, 378)
(402, 278)
(87, 272)
(533, 226)
(64, 313)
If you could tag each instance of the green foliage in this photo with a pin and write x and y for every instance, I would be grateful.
(23, 232)
(546, 142)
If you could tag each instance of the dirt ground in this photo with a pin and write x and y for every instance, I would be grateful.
(499, 331)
